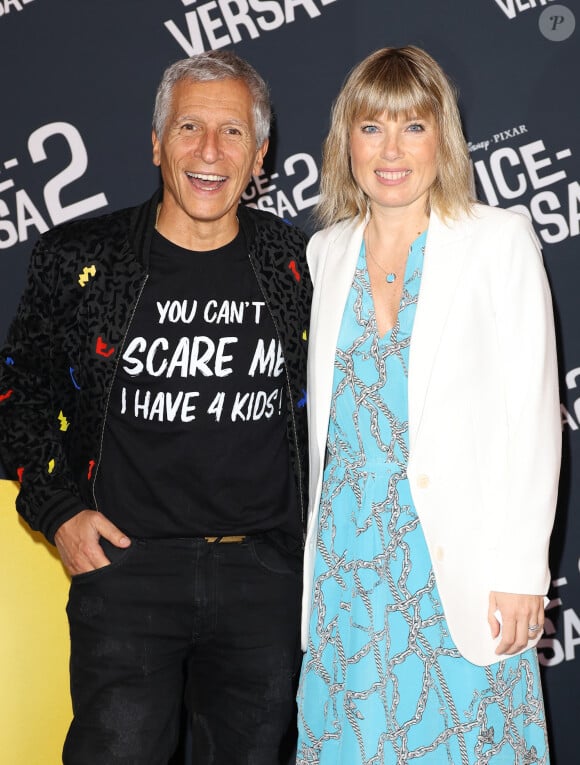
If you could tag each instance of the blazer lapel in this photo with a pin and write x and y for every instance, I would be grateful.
(445, 257)
(333, 285)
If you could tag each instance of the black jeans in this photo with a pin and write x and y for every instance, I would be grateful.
(213, 625)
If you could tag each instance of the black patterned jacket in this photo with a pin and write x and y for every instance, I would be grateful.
(58, 365)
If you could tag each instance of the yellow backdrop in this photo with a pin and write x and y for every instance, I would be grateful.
(35, 707)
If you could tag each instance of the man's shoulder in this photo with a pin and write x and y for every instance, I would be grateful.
(113, 226)
(268, 224)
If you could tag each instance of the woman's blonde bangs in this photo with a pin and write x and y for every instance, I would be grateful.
(403, 82)
(391, 89)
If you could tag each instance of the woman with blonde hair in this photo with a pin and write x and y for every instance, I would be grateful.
(434, 443)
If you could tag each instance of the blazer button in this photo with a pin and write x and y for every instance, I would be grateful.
(423, 481)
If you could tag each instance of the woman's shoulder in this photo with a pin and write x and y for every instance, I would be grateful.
(494, 237)
(483, 216)
(330, 234)
(335, 240)
(486, 229)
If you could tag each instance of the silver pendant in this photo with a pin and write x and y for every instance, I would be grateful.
(390, 277)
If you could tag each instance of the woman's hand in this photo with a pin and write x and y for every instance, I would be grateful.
(519, 618)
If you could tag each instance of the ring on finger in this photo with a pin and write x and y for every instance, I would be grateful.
(534, 627)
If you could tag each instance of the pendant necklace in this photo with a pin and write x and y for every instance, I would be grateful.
(390, 276)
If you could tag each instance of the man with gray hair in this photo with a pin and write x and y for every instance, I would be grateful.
(156, 421)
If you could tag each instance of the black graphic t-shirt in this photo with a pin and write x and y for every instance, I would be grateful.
(195, 438)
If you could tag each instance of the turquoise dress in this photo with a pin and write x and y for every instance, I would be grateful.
(382, 681)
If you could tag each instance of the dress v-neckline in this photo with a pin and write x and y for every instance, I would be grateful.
(415, 253)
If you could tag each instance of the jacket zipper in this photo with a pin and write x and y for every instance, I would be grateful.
(109, 391)
(291, 401)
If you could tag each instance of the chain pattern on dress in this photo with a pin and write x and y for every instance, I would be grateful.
(382, 681)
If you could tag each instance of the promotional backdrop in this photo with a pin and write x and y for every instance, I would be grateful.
(78, 82)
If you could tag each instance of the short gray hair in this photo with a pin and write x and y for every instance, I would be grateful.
(207, 67)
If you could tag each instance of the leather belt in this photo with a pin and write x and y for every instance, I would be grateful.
(226, 540)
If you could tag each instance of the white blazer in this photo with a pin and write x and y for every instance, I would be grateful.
(484, 415)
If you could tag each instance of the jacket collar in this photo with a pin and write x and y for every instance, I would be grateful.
(445, 258)
(142, 228)
(247, 225)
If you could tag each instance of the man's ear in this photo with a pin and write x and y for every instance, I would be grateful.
(156, 149)
(260, 154)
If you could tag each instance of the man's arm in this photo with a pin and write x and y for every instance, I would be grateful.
(33, 426)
